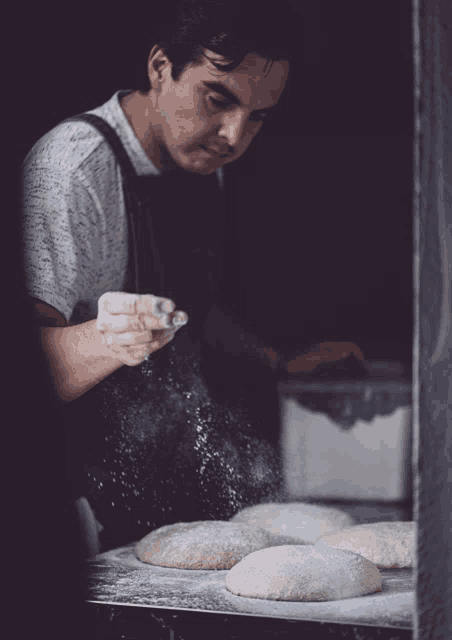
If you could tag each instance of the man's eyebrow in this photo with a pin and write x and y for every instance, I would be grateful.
(220, 88)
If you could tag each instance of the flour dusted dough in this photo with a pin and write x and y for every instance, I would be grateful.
(298, 522)
(303, 573)
(211, 544)
(389, 545)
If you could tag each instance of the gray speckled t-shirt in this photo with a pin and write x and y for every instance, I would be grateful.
(74, 216)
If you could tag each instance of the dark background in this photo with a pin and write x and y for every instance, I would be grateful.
(329, 204)
(325, 193)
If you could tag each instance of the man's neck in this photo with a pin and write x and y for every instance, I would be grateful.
(134, 109)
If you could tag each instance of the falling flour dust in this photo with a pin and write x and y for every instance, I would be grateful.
(170, 452)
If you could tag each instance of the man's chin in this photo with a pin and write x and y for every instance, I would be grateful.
(196, 165)
(197, 161)
(200, 170)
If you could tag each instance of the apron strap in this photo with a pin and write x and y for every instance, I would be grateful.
(111, 137)
(136, 191)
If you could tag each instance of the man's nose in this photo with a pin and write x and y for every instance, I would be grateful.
(233, 128)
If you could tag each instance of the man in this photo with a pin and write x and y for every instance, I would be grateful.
(201, 131)
(211, 89)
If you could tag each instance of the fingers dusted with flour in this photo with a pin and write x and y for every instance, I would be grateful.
(134, 326)
(128, 328)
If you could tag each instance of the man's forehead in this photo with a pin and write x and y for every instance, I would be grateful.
(252, 66)
(254, 77)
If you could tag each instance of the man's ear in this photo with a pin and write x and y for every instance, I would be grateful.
(157, 61)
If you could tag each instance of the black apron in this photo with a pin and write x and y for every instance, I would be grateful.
(174, 438)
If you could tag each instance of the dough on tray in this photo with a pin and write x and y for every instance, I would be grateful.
(303, 573)
(303, 522)
(389, 545)
(210, 544)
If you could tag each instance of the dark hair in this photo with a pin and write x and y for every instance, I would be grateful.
(232, 29)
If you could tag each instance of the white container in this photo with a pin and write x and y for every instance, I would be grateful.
(371, 461)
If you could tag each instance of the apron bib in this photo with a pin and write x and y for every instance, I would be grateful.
(171, 439)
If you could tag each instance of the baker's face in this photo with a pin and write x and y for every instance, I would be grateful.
(208, 108)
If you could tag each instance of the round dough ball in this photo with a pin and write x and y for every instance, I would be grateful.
(302, 522)
(389, 545)
(303, 573)
(211, 544)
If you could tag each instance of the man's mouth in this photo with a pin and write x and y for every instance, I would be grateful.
(212, 153)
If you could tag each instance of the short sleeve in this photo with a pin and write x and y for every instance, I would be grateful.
(61, 234)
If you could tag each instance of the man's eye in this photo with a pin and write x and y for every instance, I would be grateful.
(260, 117)
(224, 104)
(220, 103)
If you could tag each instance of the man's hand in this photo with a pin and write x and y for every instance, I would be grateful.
(134, 326)
(324, 352)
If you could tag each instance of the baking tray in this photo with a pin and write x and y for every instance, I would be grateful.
(118, 577)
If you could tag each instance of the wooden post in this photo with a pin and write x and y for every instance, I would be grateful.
(432, 360)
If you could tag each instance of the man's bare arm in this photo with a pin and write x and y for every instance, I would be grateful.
(77, 357)
(126, 331)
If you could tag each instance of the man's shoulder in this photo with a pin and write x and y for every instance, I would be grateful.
(69, 146)
(72, 144)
